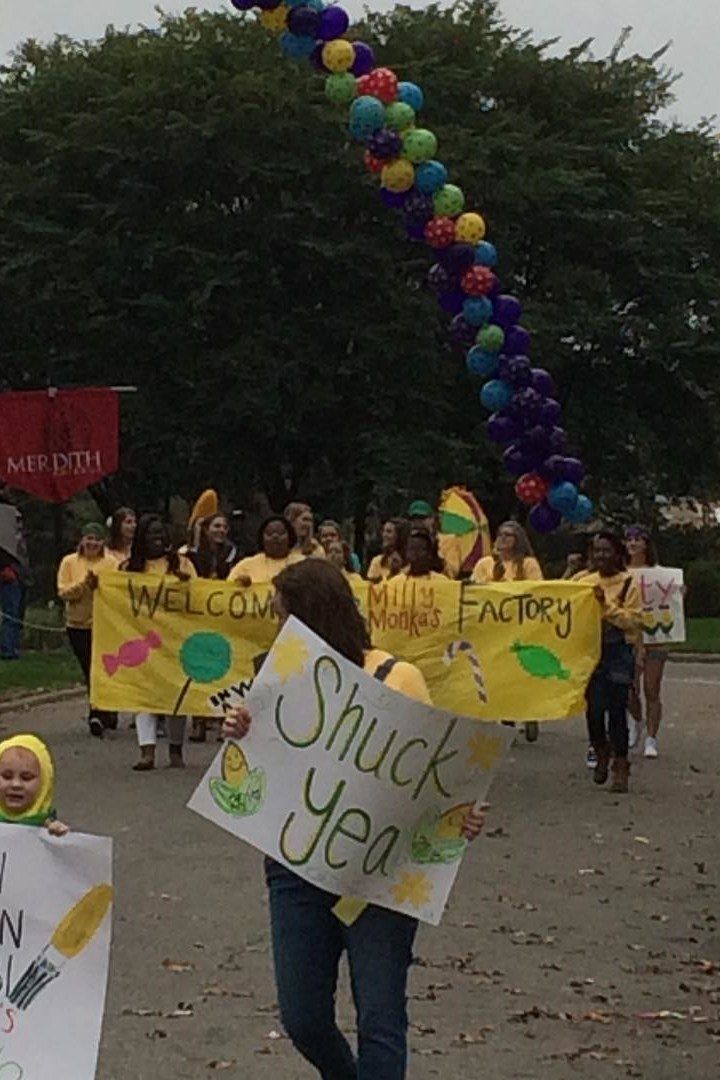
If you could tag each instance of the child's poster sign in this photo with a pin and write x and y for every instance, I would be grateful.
(355, 787)
(55, 921)
(662, 594)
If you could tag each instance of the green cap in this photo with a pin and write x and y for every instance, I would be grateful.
(420, 508)
(93, 528)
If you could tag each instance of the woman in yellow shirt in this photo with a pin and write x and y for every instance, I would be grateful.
(338, 554)
(423, 560)
(123, 524)
(392, 558)
(77, 578)
(308, 939)
(153, 553)
(609, 687)
(513, 558)
(277, 543)
(300, 516)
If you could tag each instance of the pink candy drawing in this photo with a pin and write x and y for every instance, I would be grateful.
(131, 653)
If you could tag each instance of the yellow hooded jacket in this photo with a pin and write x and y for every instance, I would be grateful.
(42, 809)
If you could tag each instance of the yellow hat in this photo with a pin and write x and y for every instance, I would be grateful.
(206, 504)
(40, 810)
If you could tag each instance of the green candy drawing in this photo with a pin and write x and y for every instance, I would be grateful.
(438, 837)
(240, 791)
(540, 662)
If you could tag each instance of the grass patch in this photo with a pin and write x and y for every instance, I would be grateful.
(38, 671)
(703, 636)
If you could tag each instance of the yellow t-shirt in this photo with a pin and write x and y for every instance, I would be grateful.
(432, 576)
(119, 556)
(403, 677)
(483, 571)
(261, 569)
(72, 586)
(626, 616)
(352, 578)
(378, 570)
(160, 566)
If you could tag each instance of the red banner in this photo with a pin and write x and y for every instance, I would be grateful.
(54, 443)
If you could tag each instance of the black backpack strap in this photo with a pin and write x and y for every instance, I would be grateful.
(384, 669)
(622, 595)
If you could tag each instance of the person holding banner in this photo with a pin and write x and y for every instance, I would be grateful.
(609, 687)
(650, 659)
(513, 558)
(423, 559)
(122, 526)
(392, 558)
(311, 928)
(300, 516)
(77, 578)
(338, 553)
(153, 553)
(278, 549)
(214, 555)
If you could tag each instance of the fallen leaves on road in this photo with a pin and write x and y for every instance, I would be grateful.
(177, 966)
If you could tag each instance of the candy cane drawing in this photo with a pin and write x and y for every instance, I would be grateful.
(456, 647)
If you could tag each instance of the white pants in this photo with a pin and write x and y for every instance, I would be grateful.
(146, 726)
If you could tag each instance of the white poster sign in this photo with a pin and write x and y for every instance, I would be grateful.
(662, 594)
(55, 925)
(356, 788)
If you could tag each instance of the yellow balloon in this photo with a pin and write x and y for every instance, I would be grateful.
(338, 55)
(275, 20)
(399, 175)
(469, 228)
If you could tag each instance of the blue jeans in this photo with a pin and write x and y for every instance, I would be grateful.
(11, 604)
(308, 941)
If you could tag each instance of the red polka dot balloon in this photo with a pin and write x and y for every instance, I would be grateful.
(531, 489)
(440, 232)
(478, 281)
(381, 83)
(373, 164)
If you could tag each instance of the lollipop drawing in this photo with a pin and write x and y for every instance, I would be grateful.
(132, 653)
(72, 934)
(241, 790)
(455, 648)
(540, 662)
(205, 657)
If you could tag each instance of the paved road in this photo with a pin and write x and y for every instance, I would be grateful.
(577, 912)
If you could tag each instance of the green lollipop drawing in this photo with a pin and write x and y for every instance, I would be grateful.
(540, 662)
(205, 657)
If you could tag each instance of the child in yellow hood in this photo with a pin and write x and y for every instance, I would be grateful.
(27, 784)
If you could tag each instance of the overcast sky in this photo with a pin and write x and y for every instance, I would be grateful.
(693, 27)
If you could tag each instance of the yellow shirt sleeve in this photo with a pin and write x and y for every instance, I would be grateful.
(71, 578)
(532, 569)
(409, 680)
(375, 569)
(482, 571)
(626, 616)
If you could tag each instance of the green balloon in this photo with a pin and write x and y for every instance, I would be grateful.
(491, 338)
(399, 116)
(449, 200)
(419, 145)
(341, 88)
(205, 656)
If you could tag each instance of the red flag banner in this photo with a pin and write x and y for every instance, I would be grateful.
(54, 443)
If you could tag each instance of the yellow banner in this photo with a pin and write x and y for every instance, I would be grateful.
(521, 651)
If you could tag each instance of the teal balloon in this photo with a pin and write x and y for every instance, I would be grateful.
(581, 512)
(477, 310)
(295, 46)
(482, 363)
(563, 497)
(367, 115)
(430, 177)
(411, 94)
(419, 145)
(205, 656)
(495, 395)
(449, 201)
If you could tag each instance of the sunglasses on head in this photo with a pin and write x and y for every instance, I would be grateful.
(636, 533)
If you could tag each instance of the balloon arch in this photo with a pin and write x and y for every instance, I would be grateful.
(525, 414)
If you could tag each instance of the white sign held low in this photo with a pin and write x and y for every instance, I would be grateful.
(662, 594)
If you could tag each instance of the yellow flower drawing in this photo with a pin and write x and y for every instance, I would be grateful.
(415, 889)
(485, 750)
(290, 657)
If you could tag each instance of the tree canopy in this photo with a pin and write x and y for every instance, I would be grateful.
(183, 210)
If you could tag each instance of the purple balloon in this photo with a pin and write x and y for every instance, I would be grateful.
(316, 56)
(537, 437)
(457, 257)
(558, 440)
(519, 460)
(364, 58)
(415, 232)
(528, 404)
(418, 208)
(517, 340)
(267, 5)
(557, 468)
(385, 144)
(243, 5)
(543, 518)
(516, 371)
(507, 310)
(461, 330)
(550, 413)
(394, 199)
(334, 21)
(439, 279)
(303, 21)
(502, 429)
(542, 381)
(452, 302)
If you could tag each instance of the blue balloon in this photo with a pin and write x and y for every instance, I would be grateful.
(582, 511)
(495, 395)
(477, 310)
(411, 94)
(430, 176)
(296, 47)
(367, 115)
(563, 497)
(486, 254)
(482, 363)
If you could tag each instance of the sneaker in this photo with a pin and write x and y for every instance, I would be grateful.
(590, 758)
(96, 728)
(633, 732)
(651, 749)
